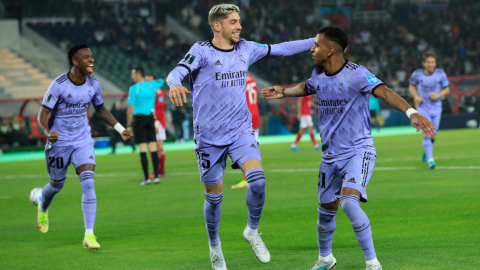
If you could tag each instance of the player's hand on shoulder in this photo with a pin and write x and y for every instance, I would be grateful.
(176, 93)
(420, 122)
(127, 134)
(273, 92)
(53, 136)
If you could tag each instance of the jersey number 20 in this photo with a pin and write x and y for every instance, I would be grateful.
(52, 161)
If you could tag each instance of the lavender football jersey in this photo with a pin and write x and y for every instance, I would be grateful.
(343, 111)
(218, 84)
(68, 103)
(426, 84)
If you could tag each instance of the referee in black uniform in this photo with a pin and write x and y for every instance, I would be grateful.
(141, 102)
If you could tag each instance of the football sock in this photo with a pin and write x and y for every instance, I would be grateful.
(212, 212)
(312, 136)
(89, 199)
(428, 147)
(299, 136)
(144, 160)
(325, 228)
(255, 196)
(88, 231)
(326, 259)
(360, 223)
(48, 193)
(154, 156)
(250, 232)
(161, 160)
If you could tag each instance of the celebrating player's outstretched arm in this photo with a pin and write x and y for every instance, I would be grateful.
(176, 93)
(397, 102)
(107, 117)
(400, 104)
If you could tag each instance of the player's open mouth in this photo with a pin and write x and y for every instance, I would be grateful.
(90, 68)
(236, 34)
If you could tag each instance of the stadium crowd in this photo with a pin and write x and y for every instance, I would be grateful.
(390, 48)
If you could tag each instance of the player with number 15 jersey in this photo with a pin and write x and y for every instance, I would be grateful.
(222, 124)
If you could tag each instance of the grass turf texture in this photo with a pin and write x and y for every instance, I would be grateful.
(421, 218)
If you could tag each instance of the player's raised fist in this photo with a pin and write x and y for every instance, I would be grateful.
(273, 92)
(127, 135)
(419, 121)
(53, 136)
(176, 93)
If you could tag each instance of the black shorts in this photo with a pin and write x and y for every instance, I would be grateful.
(144, 128)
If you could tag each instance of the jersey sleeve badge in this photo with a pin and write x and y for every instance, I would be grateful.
(189, 58)
(48, 97)
(371, 79)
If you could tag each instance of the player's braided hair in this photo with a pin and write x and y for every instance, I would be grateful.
(73, 50)
(220, 12)
(336, 35)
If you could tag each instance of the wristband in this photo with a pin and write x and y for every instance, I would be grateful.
(119, 128)
(410, 111)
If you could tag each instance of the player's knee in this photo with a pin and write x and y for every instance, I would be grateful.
(258, 188)
(330, 206)
(350, 203)
(214, 199)
(86, 180)
(57, 185)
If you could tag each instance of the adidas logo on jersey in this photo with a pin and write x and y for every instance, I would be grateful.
(218, 62)
(91, 157)
(253, 145)
(352, 180)
(69, 96)
(318, 88)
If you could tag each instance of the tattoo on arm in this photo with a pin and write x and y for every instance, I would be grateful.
(105, 115)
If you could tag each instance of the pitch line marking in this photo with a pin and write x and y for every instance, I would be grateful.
(45, 176)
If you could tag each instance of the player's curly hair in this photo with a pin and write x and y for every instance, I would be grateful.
(73, 50)
(220, 12)
(336, 35)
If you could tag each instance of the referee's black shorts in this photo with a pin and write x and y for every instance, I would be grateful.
(144, 128)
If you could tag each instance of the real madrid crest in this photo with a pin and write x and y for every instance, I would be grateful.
(242, 59)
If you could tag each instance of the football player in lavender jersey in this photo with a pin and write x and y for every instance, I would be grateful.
(428, 85)
(222, 123)
(68, 135)
(348, 157)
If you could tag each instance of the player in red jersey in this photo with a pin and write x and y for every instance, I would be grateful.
(252, 101)
(305, 104)
(160, 123)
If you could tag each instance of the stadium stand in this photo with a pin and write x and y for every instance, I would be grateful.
(19, 79)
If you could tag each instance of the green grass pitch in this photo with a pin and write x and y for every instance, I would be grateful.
(421, 218)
